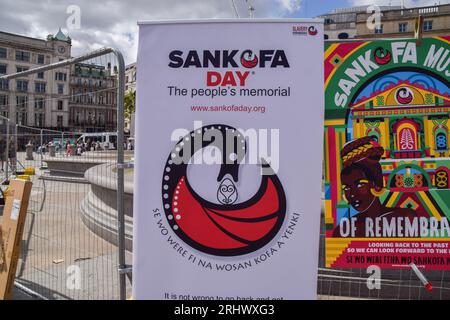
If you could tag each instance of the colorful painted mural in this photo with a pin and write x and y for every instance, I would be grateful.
(387, 154)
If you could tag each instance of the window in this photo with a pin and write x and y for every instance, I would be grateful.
(3, 68)
(21, 118)
(402, 27)
(39, 103)
(40, 75)
(39, 119)
(379, 29)
(22, 85)
(21, 69)
(60, 105)
(3, 100)
(326, 37)
(40, 59)
(78, 96)
(59, 121)
(22, 56)
(21, 101)
(39, 87)
(60, 76)
(408, 139)
(441, 141)
(4, 85)
(343, 35)
(90, 98)
(3, 53)
(100, 118)
(60, 89)
(428, 25)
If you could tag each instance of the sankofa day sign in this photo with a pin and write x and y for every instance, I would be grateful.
(228, 162)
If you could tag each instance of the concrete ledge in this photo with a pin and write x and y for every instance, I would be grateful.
(49, 177)
(105, 176)
(70, 168)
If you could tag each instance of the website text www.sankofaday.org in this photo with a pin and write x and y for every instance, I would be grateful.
(229, 108)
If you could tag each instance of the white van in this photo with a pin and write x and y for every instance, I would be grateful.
(107, 140)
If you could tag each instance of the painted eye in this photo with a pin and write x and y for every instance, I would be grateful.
(360, 184)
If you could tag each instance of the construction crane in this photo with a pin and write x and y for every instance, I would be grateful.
(250, 8)
(233, 6)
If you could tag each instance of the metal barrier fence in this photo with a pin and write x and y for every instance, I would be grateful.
(73, 245)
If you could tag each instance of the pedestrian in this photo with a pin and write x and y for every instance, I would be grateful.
(68, 149)
(80, 150)
(89, 145)
(12, 154)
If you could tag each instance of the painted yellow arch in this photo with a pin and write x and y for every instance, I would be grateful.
(418, 98)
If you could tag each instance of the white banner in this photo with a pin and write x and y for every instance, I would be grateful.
(228, 163)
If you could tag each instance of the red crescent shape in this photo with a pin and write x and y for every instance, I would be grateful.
(404, 100)
(249, 64)
(225, 229)
(384, 60)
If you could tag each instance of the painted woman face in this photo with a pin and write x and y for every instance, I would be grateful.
(356, 186)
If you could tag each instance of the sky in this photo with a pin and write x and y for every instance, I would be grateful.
(114, 22)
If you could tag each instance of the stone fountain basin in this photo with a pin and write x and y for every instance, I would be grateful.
(99, 207)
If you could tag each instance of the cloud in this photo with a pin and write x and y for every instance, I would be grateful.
(114, 22)
(291, 5)
(407, 3)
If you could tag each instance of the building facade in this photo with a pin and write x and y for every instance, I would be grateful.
(341, 23)
(400, 23)
(81, 97)
(39, 100)
(130, 77)
(130, 86)
(93, 98)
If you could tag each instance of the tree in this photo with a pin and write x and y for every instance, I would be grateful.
(129, 104)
